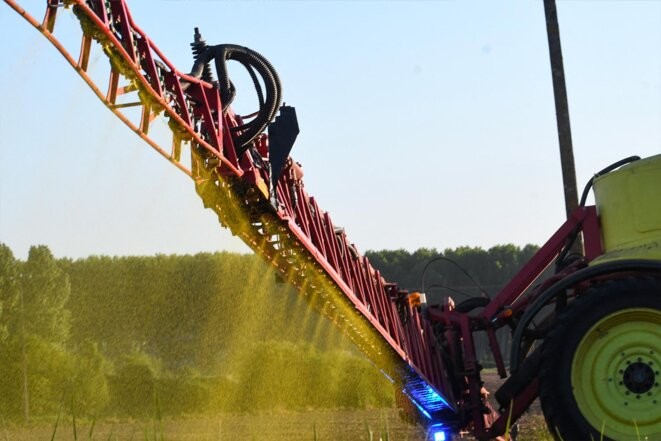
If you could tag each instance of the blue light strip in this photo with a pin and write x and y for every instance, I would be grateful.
(420, 408)
(424, 394)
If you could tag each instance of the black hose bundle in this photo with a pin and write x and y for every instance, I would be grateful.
(253, 62)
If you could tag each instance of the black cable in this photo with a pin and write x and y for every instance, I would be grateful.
(560, 260)
(610, 168)
(439, 285)
(447, 259)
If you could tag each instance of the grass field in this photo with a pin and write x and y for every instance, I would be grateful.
(305, 425)
(533, 427)
(313, 425)
(336, 425)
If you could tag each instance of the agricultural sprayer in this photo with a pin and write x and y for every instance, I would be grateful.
(585, 320)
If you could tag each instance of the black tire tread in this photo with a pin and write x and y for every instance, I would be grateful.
(557, 411)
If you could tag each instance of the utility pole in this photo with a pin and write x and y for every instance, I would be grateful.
(562, 112)
(561, 106)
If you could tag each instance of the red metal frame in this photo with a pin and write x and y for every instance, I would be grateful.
(584, 218)
(510, 301)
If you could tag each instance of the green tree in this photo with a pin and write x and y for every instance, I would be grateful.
(45, 290)
(133, 388)
(90, 392)
(42, 323)
(8, 289)
(9, 299)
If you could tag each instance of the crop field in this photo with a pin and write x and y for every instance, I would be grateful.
(336, 425)
(285, 425)
(321, 425)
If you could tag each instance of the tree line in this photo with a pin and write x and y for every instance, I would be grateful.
(487, 270)
(167, 334)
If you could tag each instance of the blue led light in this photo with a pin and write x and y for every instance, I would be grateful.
(439, 436)
(438, 432)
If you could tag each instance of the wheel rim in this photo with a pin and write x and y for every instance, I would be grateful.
(616, 377)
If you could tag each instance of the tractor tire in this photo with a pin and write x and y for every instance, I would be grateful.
(600, 372)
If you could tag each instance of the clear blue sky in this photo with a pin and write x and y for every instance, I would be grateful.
(423, 124)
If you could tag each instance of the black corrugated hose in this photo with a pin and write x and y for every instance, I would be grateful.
(252, 61)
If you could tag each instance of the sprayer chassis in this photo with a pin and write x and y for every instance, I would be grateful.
(496, 313)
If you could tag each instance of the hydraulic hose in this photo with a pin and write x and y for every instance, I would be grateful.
(560, 261)
(269, 103)
(608, 169)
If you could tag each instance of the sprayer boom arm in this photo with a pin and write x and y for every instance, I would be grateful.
(274, 217)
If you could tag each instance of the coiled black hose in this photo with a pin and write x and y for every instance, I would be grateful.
(252, 61)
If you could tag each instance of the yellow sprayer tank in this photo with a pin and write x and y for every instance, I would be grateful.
(629, 206)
